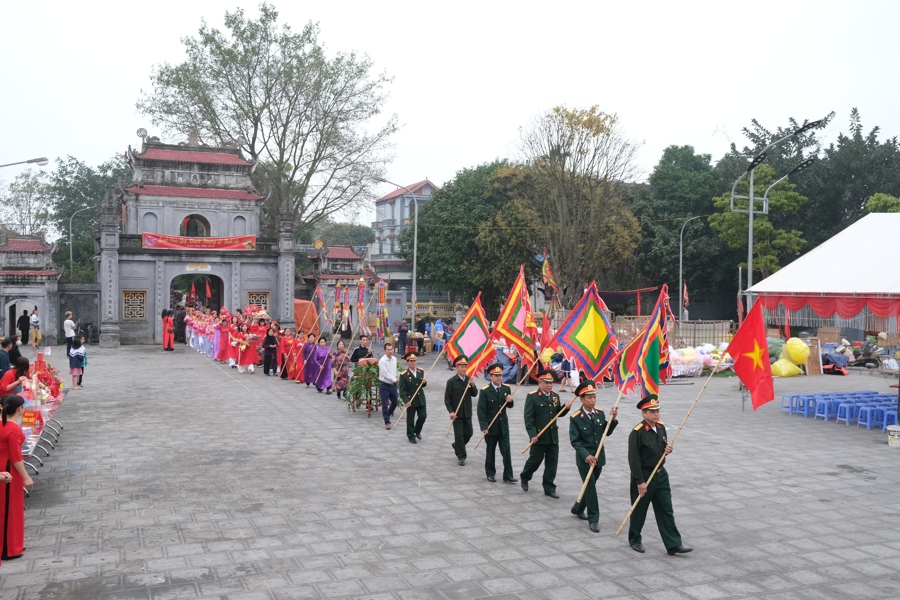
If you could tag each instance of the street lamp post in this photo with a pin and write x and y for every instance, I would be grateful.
(751, 208)
(415, 244)
(681, 268)
(71, 260)
(41, 162)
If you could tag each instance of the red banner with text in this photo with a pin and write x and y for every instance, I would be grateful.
(157, 240)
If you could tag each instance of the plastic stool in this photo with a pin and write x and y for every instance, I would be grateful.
(846, 412)
(787, 403)
(867, 416)
(806, 405)
(824, 408)
(890, 418)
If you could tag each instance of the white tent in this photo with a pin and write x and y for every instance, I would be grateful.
(849, 280)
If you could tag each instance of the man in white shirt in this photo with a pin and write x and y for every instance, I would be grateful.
(36, 329)
(388, 374)
(69, 329)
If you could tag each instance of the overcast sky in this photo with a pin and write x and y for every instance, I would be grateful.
(467, 74)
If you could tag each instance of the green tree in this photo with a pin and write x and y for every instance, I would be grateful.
(883, 203)
(25, 204)
(311, 119)
(682, 185)
(74, 185)
(450, 254)
(771, 244)
(346, 234)
(578, 160)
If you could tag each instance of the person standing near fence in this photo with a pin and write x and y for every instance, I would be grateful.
(69, 330)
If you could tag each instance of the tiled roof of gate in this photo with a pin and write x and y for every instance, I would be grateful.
(190, 192)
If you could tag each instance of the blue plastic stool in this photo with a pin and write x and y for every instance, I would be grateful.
(846, 412)
(787, 403)
(806, 405)
(890, 418)
(824, 408)
(868, 416)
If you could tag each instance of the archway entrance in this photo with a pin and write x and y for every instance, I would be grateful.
(180, 291)
(14, 310)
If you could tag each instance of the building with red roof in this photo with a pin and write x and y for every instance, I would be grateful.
(394, 212)
(28, 281)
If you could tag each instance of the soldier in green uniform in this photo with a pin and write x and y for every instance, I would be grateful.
(647, 443)
(490, 400)
(586, 428)
(412, 392)
(460, 387)
(540, 408)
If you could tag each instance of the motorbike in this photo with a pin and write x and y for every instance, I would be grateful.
(868, 356)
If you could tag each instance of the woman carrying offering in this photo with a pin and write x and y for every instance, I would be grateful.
(12, 496)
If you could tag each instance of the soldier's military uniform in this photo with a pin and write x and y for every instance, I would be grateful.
(540, 408)
(490, 400)
(585, 431)
(645, 448)
(412, 392)
(457, 389)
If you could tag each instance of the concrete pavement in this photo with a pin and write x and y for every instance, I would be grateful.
(176, 477)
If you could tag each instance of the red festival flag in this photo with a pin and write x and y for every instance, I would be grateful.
(645, 360)
(193, 292)
(208, 293)
(547, 274)
(750, 352)
(516, 323)
(687, 300)
(472, 339)
(587, 335)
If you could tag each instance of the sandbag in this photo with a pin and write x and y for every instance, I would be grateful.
(785, 368)
(775, 348)
(796, 351)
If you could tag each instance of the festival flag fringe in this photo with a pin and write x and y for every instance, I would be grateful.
(645, 360)
(472, 339)
(587, 336)
(516, 323)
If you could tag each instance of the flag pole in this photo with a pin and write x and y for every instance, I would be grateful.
(405, 406)
(597, 454)
(463, 397)
(672, 443)
(505, 402)
(300, 350)
(334, 338)
(541, 432)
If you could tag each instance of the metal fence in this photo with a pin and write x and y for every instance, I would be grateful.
(681, 334)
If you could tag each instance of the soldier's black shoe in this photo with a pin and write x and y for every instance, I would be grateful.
(580, 515)
(462, 462)
(553, 495)
(524, 484)
(639, 547)
(513, 480)
(412, 441)
(679, 550)
(595, 527)
(419, 436)
(492, 479)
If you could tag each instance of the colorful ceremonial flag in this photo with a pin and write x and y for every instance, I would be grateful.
(547, 274)
(208, 293)
(587, 336)
(516, 322)
(750, 353)
(645, 360)
(472, 339)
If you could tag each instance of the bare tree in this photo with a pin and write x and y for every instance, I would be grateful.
(309, 118)
(578, 159)
(27, 204)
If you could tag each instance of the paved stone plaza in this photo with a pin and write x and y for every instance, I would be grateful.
(178, 478)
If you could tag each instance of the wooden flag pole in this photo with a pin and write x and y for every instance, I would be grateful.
(672, 443)
(405, 406)
(505, 402)
(353, 334)
(597, 454)
(541, 432)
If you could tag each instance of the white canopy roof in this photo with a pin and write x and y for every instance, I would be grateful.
(861, 259)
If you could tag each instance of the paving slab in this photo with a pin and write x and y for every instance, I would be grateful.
(177, 477)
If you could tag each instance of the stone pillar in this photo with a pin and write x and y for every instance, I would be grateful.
(109, 274)
(284, 295)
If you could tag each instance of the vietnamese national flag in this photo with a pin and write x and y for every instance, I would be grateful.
(750, 352)
(208, 293)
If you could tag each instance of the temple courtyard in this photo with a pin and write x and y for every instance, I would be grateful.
(175, 477)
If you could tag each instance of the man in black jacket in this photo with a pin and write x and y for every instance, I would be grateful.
(24, 325)
(458, 399)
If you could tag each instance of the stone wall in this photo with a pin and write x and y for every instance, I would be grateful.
(83, 299)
